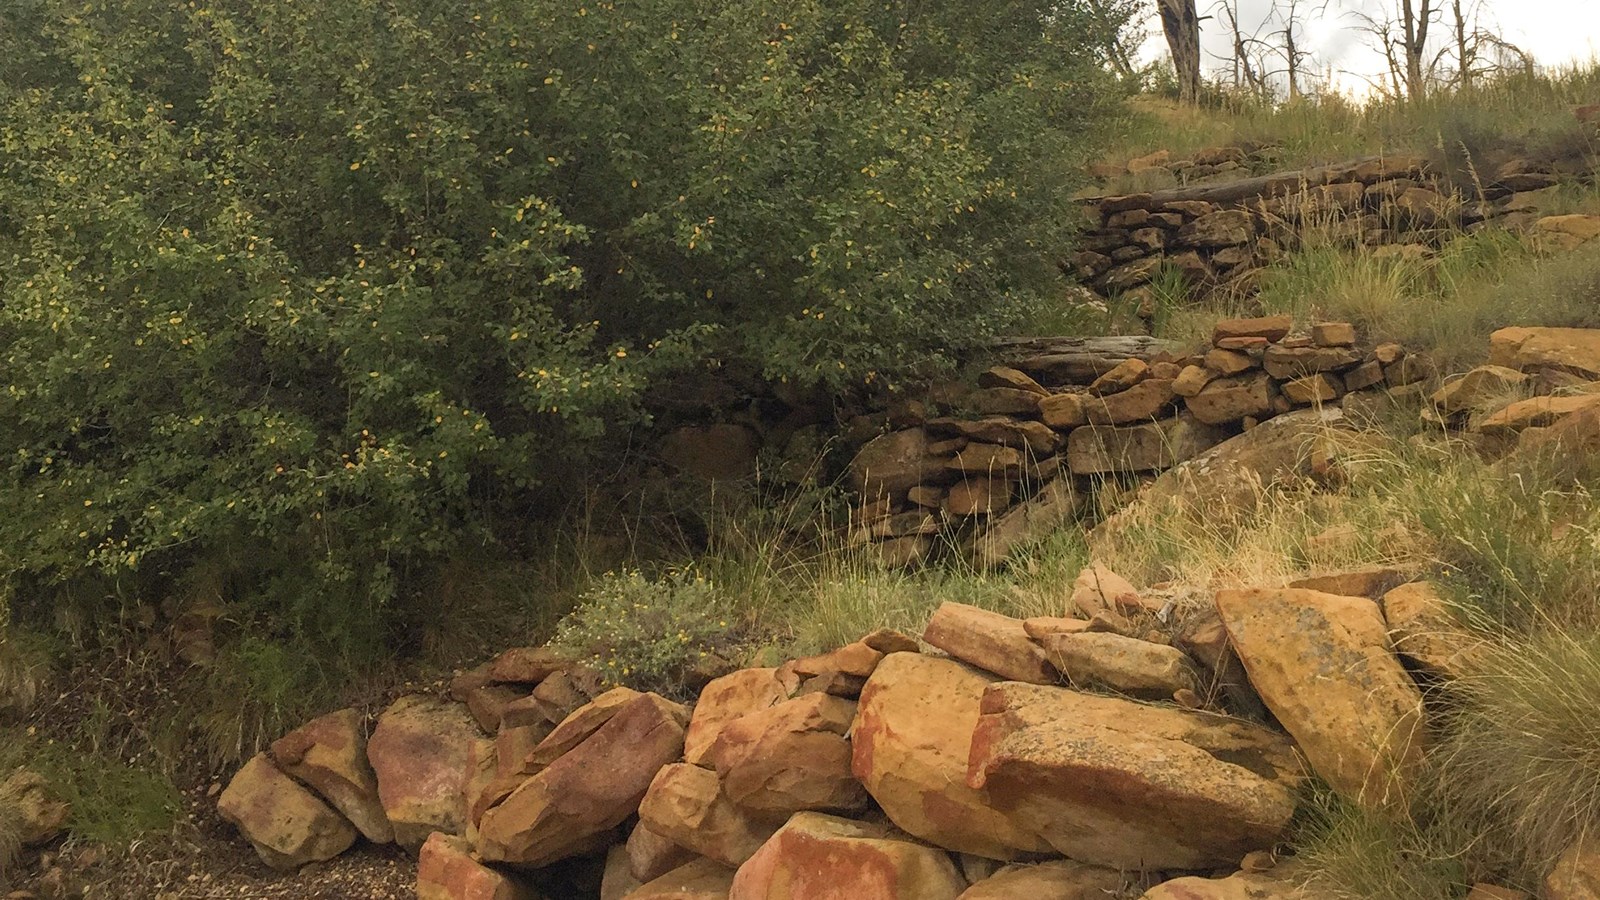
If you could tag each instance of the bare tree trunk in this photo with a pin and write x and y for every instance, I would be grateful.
(1415, 41)
(1464, 52)
(1181, 24)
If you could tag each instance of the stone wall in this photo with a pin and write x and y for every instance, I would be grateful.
(1223, 233)
(984, 470)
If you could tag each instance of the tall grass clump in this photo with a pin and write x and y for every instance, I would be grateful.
(1521, 764)
(1351, 853)
(111, 803)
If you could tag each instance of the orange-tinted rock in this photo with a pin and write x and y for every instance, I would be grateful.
(791, 757)
(419, 753)
(1113, 782)
(1272, 328)
(844, 669)
(821, 857)
(487, 703)
(1425, 632)
(616, 882)
(1371, 582)
(1483, 891)
(1325, 667)
(725, 699)
(1572, 349)
(911, 738)
(651, 855)
(892, 463)
(703, 879)
(685, 805)
(1238, 886)
(1042, 627)
(329, 754)
(1058, 880)
(513, 768)
(588, 791)
(526, 665)
(447, 871)
(1097, 588)
(1576, 874)
(286, 824)
(1122, 664)
(990, 641)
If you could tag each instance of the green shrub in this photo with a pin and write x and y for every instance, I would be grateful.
(652, 634)
(111, 802)
(1352, 853)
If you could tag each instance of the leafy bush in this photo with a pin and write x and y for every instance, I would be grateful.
(336, 287)
(651, 634)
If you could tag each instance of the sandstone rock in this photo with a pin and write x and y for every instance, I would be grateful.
(1412, 369)
(1064, 410)
(1582, 227)
(616, 882)
(926, 496)
(1189, 382)
(991, 460)
(686, 805)
(1149, 399)
(419, 754)
(329, 754)
(712, 452)
(1238, 886)
(1230, 399)
(1229, 362)
(1132, 274)
(1055, 503)
(1122, 664)
(1572, 349)
(1576, 875)
(990, 641)
(1426, 632)
(1219, 229)
(1097, 589)
(981, 495)
(1292, 362)
(556, 697)
(703, 879)
(891, 463)
(588, 791)
(1371, 582)
(902, 552)
(1243, 344)
(286, 824)
(1316, 389)
(1482, 891)
(1122, 376)
(1148, 161)
(1270, 328)
(1481, 388)
(845, 669)
(1333, 334)
(487, 703)
(726, 699)
(526, 665)
(819, 856)
(1325, 667)
(1535, 412)
(1003, 402)
(1202, 636)
(911, 740)
(650, 855)
(1018, 434)
(1042, 627)
(791, 757)
(914, 522)
(1108, 781)
(1368, 374)
(447, 871)
(1058, 880)
(1007, 377)
(1108, 449)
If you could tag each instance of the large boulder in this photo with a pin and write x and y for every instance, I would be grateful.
(1326, 668)
(793, 756)
(329, 754)
(286, 824)
(517, 763)
(991, 641)
(447, 871)
(1571, 349)
(588, 791)
(726, 699)
(1112, 782)
(893, 463)
(419, 755)
(821, 857)
(911, 740)
(685, 804)
(1059, 880)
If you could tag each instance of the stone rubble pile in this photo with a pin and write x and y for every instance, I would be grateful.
(1223, 233)
(1025, 450)
(1124, 746)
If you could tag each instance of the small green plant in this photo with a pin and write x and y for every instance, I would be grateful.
(651, 634)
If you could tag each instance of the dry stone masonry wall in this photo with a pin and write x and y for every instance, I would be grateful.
(1025, 450)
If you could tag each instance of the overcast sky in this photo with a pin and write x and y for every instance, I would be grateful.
(1553, 31)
